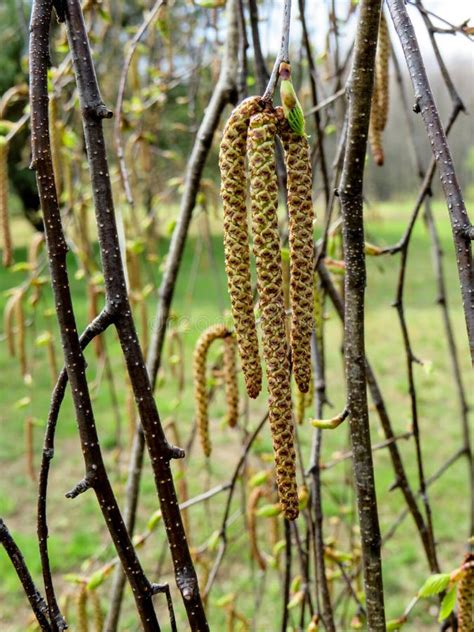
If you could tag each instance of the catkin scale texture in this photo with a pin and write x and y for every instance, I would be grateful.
(201, 396)
(381, 95)
(465, 595)
(301, 215)
(236, 242)
(266, 247)
(230, 378)
(4, 217)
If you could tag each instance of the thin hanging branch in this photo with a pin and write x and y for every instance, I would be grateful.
(350, 190)
(425, 104)
(147, 22)
(283, 54)
(98, 326)
(96, 475)
(161, 452)
(38, 605)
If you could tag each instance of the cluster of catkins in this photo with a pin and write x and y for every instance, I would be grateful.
(249, 135)
(380, 97)
(201, 391)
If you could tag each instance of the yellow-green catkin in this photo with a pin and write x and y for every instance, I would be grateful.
(236, 242)
(381, 95)
(252, 503)
(81, 609)
(465, 595)
(230, 378)
(201, 395)
(301, 216)
(55, 140)
(266, 247)
(4, 216)
(98, 614)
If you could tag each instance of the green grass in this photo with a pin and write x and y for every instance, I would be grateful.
(78, 539)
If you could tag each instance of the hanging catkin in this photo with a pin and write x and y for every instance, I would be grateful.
(230, 378)
(380, 97)
(55, 137)
(252, 503)
(81, 609)
(236, 243)
(4, 217)
(301, 215)
(201, 396)
(264, 202)
(465, 596)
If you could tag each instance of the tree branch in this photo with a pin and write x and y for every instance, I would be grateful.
(37, 602)
(360, 93)
(456, 208)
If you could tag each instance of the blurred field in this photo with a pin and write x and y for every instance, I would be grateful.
(76, 529)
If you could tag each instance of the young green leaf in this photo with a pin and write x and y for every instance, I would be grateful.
(448, 603)
(434, 585)
(292, 107)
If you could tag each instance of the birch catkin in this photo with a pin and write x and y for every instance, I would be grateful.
(230, 378)
(264, 201)
(201, 396)
(301, 215)
(4, 217)
(55, 136)
(381, 95)
(465, 595)
(236, 242)
(252, 503)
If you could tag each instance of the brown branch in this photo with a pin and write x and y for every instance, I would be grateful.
(37, 602)
(457, 211)
(283, 54)
(161, 452)
(225, 519)
(379, 403)
(99, 325)
(429, 481)
(74, 359)
(360, 92)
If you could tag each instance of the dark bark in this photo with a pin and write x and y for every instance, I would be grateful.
(38, 605)
(161, 452)
(350, 191)
(95, 476)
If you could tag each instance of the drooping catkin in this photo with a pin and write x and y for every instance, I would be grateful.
(266, 247)
(230, 379)
(380, 97)
(55, 137)
(98, 615)
(20, 329)
(34, 250)
(81, 609)
(29, 448)
(4, 216)
(8, 327)
(201, 395)
(252, 503)
(92, 312)
(382, 67)
(465, 595)
(236, 242)
(301, 215)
